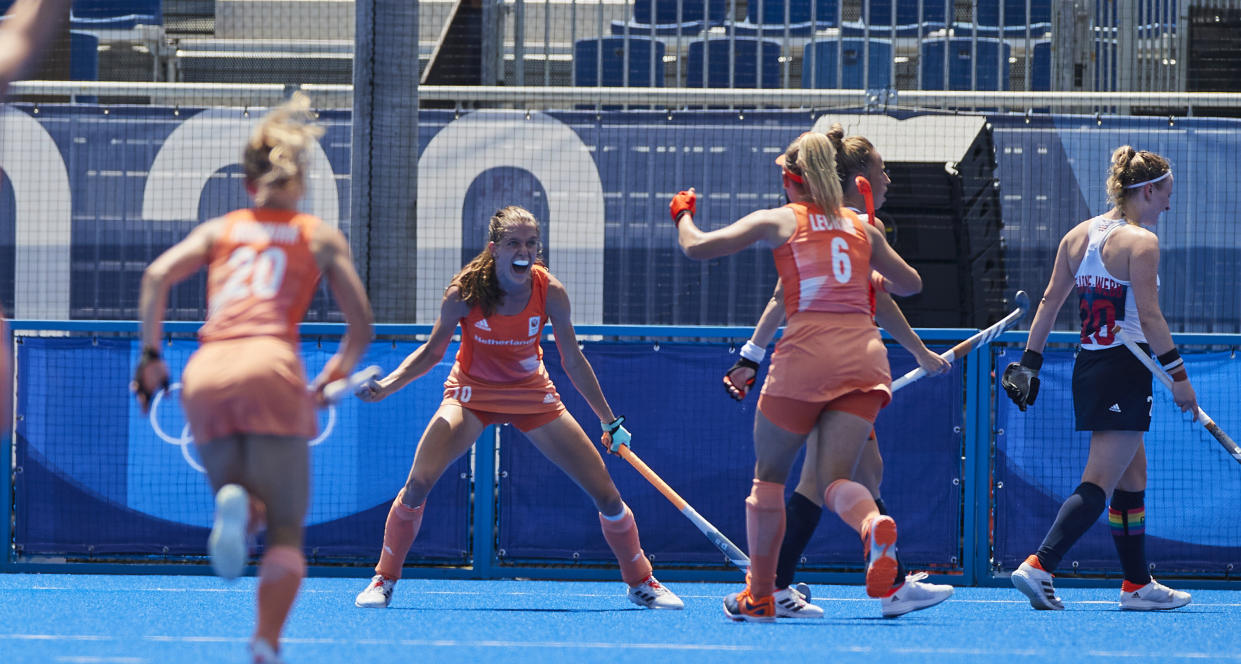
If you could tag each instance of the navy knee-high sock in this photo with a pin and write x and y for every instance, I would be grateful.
(1079, 511)
(801, 517)
(900, 566)
(1127, 517)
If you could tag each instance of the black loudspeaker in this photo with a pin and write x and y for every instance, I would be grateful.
(945, 219)
(1214, 50)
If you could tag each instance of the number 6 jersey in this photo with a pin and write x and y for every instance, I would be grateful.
(1103, 300)
(261, 275)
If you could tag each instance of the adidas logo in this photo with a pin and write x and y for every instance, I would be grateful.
(482, 325)
(549, 398)
(1115, 408)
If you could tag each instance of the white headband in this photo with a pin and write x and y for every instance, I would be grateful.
(1151, 181)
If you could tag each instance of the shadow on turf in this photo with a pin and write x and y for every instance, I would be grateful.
(505, 609)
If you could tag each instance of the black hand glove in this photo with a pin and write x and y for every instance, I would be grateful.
(1020, 379)
(738, 390)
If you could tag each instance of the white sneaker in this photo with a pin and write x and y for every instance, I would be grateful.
(1035, 584)
(261, 652)
(914, 595)
(792, 604)
(377, 595)
(227, 543)
(653, 595)
(1153, 596)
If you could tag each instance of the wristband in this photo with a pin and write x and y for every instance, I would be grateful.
(1032, 359)
(150, 353)
(1180, 375)
(1171, 361)
(753, 352)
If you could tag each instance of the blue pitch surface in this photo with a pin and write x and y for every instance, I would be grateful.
(137, 619)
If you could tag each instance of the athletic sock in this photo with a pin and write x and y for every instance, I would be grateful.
(621, 532)
(1127, 517)
(801, 517)
(399, 533)
(1079, 511)
(764, 529)
(900, 566)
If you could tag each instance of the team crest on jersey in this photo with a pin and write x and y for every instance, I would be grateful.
(482, 325)
(534, 325)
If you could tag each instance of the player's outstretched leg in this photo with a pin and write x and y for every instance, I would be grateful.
(226, 545)
(621, 533)
(399, 532)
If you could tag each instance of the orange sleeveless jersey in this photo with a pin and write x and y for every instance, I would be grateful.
(499, 367)
(831, 346)
(825, 265)
(261, 275)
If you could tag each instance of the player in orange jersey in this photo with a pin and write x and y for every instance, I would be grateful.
(1112, 262)
(830, 369)
(855, 155)
(501, 300)
(244, 390)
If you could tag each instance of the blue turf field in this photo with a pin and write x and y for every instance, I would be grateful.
(136, 619)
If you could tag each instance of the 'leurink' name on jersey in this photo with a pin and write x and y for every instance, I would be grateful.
(248, 232)
(822, 222)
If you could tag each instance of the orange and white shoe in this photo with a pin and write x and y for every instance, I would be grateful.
(1153, 596)
(879, 540)
(654, 595)
(914, 595)
(1035, 583)
(744, 606)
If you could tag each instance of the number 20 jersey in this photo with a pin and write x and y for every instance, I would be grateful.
(261, 275)
(1103, 300)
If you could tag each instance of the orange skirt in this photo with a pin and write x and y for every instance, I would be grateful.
(824, 356)
(250, 385)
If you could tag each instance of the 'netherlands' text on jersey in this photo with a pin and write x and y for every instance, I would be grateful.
(261, 275)
(506, 349)
(825, 264)
(1103, 300)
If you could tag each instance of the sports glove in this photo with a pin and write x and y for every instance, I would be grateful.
(150, 358)
(615, 434)
(684, 202)
(737, 389)
(1020, 379)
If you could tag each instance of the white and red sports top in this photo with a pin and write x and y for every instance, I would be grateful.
(1104, 300)
(825, 264)
(506, 349)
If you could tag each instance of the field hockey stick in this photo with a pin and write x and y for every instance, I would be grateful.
(1207, 423)
(863, 187)
(734, 555)
(336, 390)
(1022, 300)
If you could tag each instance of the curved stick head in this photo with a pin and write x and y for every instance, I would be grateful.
(863, 187)
(1022, 300)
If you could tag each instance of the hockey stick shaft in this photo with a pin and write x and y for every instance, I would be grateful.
(976, 341)
(1207, 423)
(734, 554)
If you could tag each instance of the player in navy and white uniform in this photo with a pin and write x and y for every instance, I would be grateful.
(1112, 262)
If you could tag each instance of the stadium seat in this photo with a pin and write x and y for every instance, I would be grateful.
(899, 18)
(664, 12)
(114, 14)
(987, 19)
(743, 54)
(641, 52)
(1040, 67)
(773, 12)
(990, 70)
(820, 62)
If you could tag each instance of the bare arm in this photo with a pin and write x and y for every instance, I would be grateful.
(28, 24)
(890, 318)
(771, 319)
(1058, 288)
(1143, 271)
(901, 278)
(342, 278)
(769, 227)
(417, 363)
(571, 358)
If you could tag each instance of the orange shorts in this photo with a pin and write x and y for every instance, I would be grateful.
(526, 404)
(250, 385)
(523, 423)
(799, 417)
